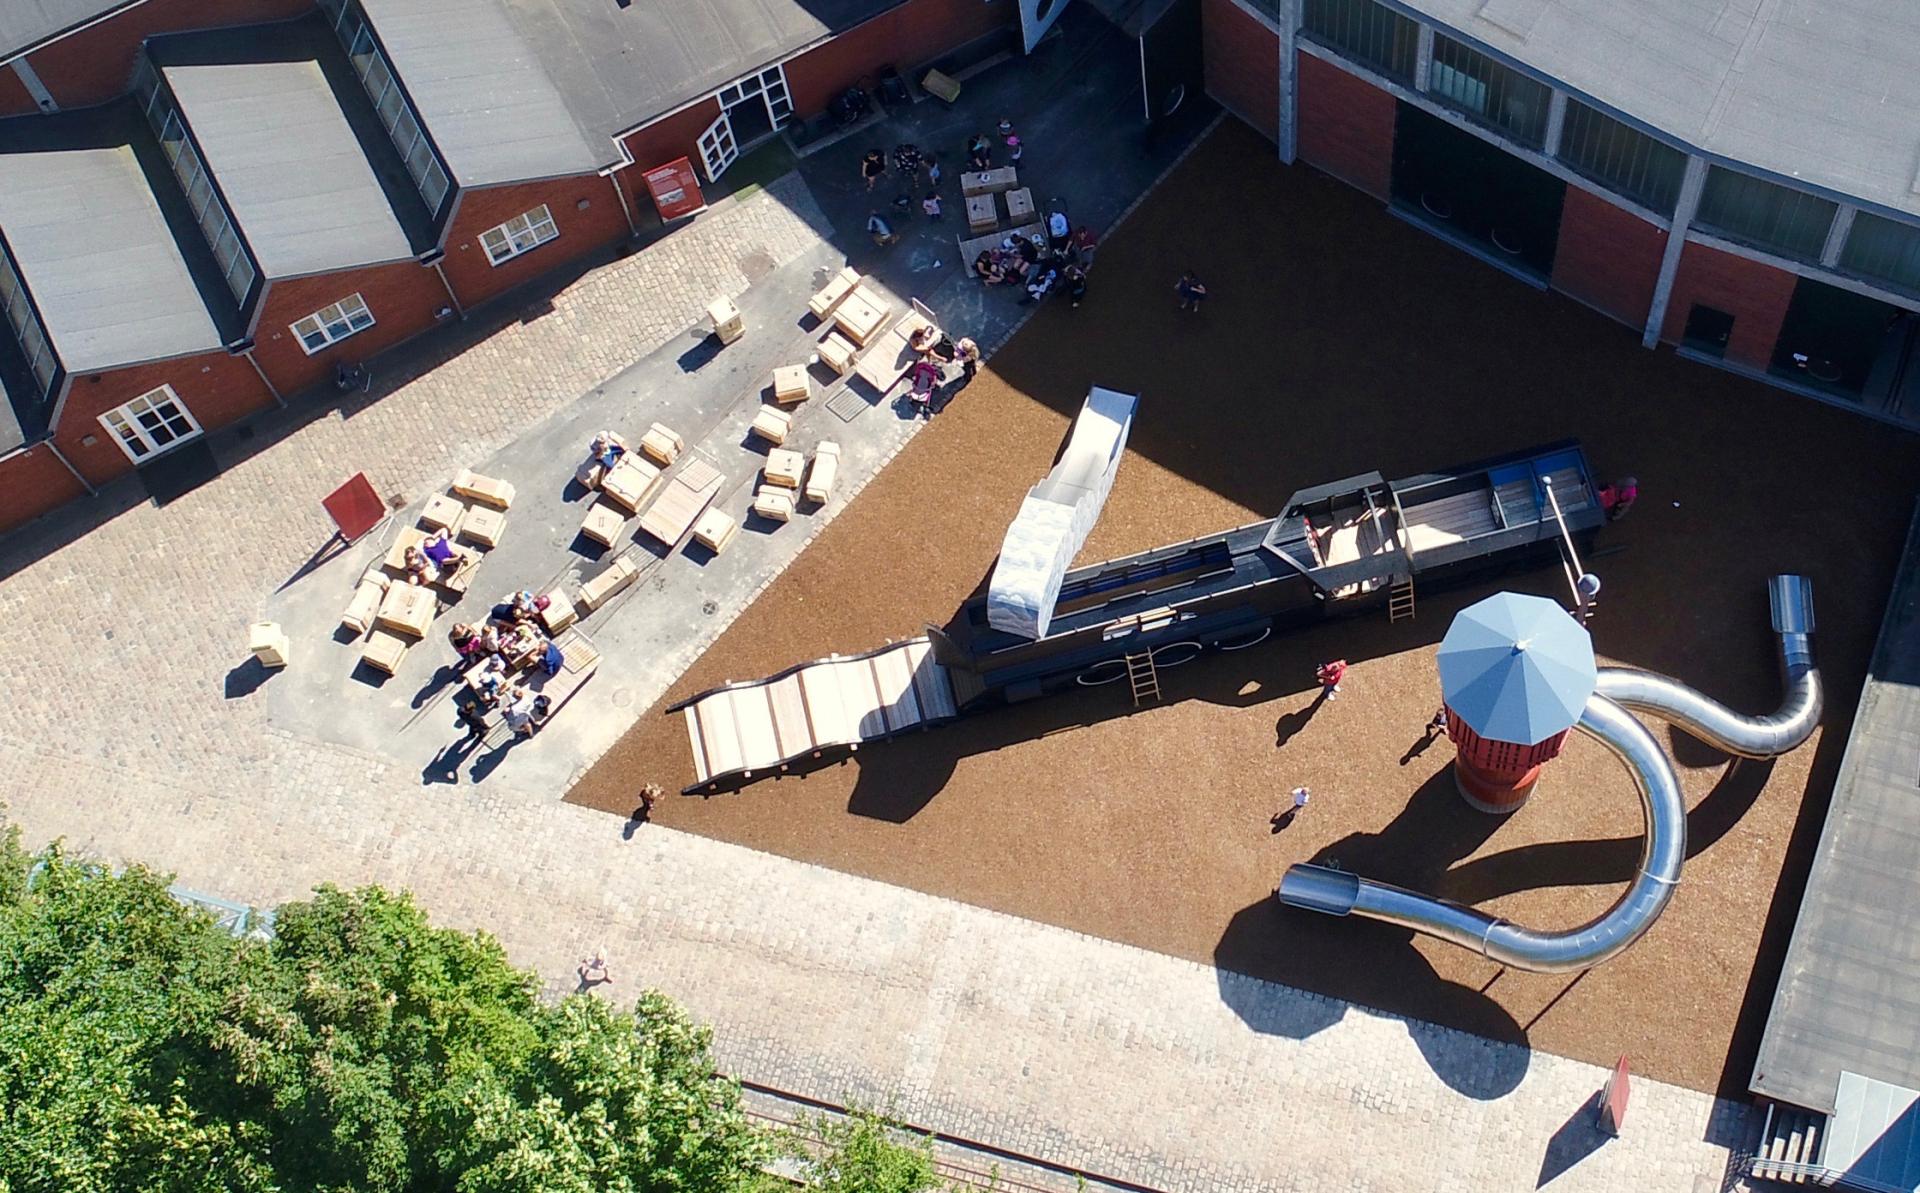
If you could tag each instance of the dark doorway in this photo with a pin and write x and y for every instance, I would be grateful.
(1708, 330)
(1831, 338)
(1170, 66)
(750, 120)
(1477, 192)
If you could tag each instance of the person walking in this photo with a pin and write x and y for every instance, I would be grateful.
(931, 206)
(907, 160)
(933, 171)
(968, 353)
(1296, 804)
(593, 971)
(1330, 675)
(1437, 726)
(873, 167)
(1191, 291)
(980, 152)
(474, 717)
(1618, 498)
(881, 231)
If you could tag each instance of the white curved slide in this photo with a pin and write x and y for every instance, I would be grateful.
(1057, 515)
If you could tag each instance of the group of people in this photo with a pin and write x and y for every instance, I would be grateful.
(432, 559)
(936, 351)
(511, 638)
(909, 163)
(1040, 265)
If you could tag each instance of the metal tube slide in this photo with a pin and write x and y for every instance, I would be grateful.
(1336, 892)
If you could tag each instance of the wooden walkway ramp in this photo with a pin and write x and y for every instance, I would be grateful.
(744, 731)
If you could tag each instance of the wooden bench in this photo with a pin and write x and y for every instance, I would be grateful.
(987, 182)
(631, 481)
(982, 214)
(396, 560)
(686, 497)
(603, 523)
(662, 444)
(385, 651)
(408, 609)
(614, 577)
(773, 502)
(885, 363)
(836, 352)
(443, 512)
(484, 526)
(365, 603)
(862, 315)
(771, 424)
(497, 493)
(791, 385)
(785, 468)
(826, 462)
(828, 296)
(972, 247)
(1020, 204)
(559, 613)
(715, 530)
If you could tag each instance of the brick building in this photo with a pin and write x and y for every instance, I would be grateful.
(297, 184)
(1737, 182)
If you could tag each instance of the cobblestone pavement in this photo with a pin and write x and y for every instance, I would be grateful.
(140, 740)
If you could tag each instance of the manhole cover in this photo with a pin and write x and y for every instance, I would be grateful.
(756, 265)
(707, 607)
(623, 697)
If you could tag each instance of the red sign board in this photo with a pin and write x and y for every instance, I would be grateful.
(675, 191)
(1613, 1100)
(354, 507)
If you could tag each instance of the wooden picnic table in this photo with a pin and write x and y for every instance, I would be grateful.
(860, 315)
(987, 182)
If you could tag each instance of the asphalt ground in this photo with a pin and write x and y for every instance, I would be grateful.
(1337, 339)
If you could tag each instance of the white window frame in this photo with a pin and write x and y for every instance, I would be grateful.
(332, 323)
(137, 438)
(770, 85)
(521, 234)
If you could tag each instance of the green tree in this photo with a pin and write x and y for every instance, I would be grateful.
(864, 1152)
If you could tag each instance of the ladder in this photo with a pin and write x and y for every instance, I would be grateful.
(1400, 601)
(1143, 677)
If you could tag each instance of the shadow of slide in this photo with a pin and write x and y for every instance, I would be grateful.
(1376, 964)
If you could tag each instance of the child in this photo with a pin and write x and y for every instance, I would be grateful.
(1013, 150)
(931, 206)
(1330, 675)
(933, 171)
(1076, 284)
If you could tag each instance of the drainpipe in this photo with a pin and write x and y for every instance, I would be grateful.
(434, 259)
(613, 179)
(247, 353)
(84, 482)
(1423, 60)
(1289, 81)
(1690, 186)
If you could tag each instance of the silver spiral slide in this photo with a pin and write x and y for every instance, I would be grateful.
(1606, 720)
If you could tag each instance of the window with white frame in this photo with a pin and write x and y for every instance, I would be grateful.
(150, 423)
(519, 234)
(331, 324)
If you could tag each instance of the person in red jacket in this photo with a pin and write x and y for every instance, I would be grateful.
(1330, 675)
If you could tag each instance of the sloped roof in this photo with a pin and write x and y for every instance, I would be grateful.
(1821, 91)
(491, 105)
(294, 175)
(26, 22)
(95, 251)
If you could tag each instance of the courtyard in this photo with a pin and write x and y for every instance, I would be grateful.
(1336, 341)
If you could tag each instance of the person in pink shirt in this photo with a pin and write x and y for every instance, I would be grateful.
(1330, 675)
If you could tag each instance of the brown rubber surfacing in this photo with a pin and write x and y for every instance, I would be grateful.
(1337, 340)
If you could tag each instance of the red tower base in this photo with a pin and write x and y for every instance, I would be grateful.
(1499, 792)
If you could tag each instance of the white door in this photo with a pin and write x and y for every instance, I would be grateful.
(150, 424)
(717, 148)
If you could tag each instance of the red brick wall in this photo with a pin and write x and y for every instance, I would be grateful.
(1243, 64)
(1755, 295)
(96, 64)
(15, 99)
(906, 37)
(476, 280)
(216, 388)
(1346, 126)
(1609, 258)
(402, 297)
(33, 482)
(662, 141)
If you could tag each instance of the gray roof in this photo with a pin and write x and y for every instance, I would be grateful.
(27, 22)
(488, 102)
(292, 170)
(621, 66)
(1849, 992)
(1823, 91)
(99, 259)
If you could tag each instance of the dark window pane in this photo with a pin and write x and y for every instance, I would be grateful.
(1886, 251)
(1622, 158)
(1764, 214)
(1489, 92)
(1369, 33)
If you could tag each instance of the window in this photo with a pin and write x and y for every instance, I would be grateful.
(1884, 250)
(195, 184)
(26, 325)
(519, 234)
(1489, 92)
(1369, 33)
(390, 103)
(331, 324)
(150, 423)
(1622, 158)
(1764, 214)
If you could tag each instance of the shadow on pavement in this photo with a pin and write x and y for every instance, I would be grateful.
(1576, 1139)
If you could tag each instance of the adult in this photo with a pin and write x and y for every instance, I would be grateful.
(1076, 284)
(1191, 290)
(906, 159)
(466, 641)
(873, 167)
(986, 268)
(968, 353)
(979, 152)
(418, 568)
(441, 552)
(881, 231)
(1084, 242)
(517, 708)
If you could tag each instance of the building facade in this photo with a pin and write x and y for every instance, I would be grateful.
(1800, 270)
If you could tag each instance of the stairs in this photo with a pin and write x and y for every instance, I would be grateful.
(1143, 677)
(1400, 601)
(1789, 1149)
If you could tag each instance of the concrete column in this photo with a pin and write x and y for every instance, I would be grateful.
(1423, 60)
(1556, 122)
(1289, 140)
(1837, 235)
(31, 81)
(1690, 186)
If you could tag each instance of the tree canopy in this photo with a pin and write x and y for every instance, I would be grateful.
(144, 1047)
